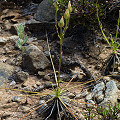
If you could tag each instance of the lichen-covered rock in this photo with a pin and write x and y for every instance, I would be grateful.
(110, 93)
(34, 59)
(97, 92)
(98, 87)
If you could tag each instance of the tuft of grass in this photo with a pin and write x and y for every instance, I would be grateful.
(109, 113)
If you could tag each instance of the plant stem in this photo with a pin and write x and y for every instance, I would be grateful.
(61, 39)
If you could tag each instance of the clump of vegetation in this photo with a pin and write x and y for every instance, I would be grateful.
(114, 45)
(109, 113)
(22, 37)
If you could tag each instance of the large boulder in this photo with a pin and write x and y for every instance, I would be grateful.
(34, 59)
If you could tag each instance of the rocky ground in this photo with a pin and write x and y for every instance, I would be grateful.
(84, 53)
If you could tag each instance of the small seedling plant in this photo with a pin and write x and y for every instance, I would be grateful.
(114, 45)
(22, 37)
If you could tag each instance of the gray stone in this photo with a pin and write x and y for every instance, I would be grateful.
(21, 76)
(12, 83)
(41, 73)
(45, 12)
(71, 95)
(82, 94)
(34, 59)
(97, 92)
(6, 71)
(2, 41)
(110, 93)
(16, 99)
(107, 78)
(14, 38)
(99, 97)
(92, 103)
(89, 96)
(47, 77)
(98, 87)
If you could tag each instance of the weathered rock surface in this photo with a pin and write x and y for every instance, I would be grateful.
(21, 76)
(34, 59)
(6, 71)
(45, 12)
(110, 93)
(91, 103)
(97, 92)
(98, 87)
(2, 41)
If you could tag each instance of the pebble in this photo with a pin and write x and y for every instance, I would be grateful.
(90, 105)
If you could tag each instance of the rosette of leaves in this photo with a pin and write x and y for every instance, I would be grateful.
(22, 37)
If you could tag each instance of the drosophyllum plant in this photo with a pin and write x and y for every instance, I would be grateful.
(114, 44)
(22, 37)
(57, 103)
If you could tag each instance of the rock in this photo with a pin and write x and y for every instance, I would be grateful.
(82, 94)
(3, 41)
(12, 83)
(16, 99)
(71, 95)
(99, 97)
(107, 78)
(41, 73)
(14, 38)
(34, 59)
(45, 12)
(21, 76)
(92, 103)
(110, 93)
(98, 87)
(6, 71)
(89, 96)
(47, 77)
(97, 92)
